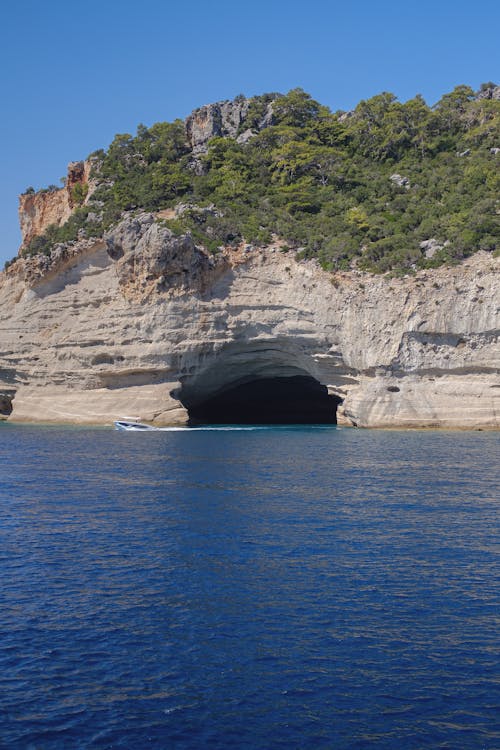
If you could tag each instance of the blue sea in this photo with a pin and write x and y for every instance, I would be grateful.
(287, 587)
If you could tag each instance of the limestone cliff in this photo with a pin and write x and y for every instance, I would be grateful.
(223, 119)
(143, 321)
(37, 211)
(147, 324)
(220, 119)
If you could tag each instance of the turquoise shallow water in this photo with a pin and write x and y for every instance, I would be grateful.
(277, 588)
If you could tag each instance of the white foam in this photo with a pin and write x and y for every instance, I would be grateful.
(245, 428)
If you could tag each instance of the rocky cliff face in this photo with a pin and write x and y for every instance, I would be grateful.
(220, 119)
(147, 324)
(490, 92)
(224, 119)
(37, 211)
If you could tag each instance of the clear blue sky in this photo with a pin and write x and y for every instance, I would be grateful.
(74, 74)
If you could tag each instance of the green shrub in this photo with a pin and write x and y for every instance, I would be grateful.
(79, 192)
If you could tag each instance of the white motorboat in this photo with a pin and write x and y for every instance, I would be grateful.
(129, 424)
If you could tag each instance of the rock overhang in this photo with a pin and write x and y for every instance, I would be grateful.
(241, 362)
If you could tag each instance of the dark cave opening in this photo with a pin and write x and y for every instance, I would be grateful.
(5, 405)
(278, 400)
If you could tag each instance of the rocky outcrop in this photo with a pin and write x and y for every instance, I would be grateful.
(223, 119)
(148, 324)
(151, 259)
(489, 92)
(37, 211)
(219, 119)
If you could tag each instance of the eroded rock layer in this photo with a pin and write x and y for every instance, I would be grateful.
(146, 324)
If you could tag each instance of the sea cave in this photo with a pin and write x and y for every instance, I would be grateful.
(259, 382)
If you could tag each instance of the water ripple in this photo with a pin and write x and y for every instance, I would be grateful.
(248, 588)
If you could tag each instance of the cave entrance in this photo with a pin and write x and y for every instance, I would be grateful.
(5, 405)
(298, 399)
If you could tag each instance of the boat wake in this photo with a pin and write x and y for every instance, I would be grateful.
(125, 426)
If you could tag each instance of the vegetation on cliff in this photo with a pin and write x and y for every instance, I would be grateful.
(390, 186)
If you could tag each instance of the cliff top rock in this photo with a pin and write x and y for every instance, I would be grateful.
(224, 119)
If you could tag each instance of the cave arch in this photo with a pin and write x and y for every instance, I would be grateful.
(261, 383)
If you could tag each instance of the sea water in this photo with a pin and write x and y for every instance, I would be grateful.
(272, 588)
